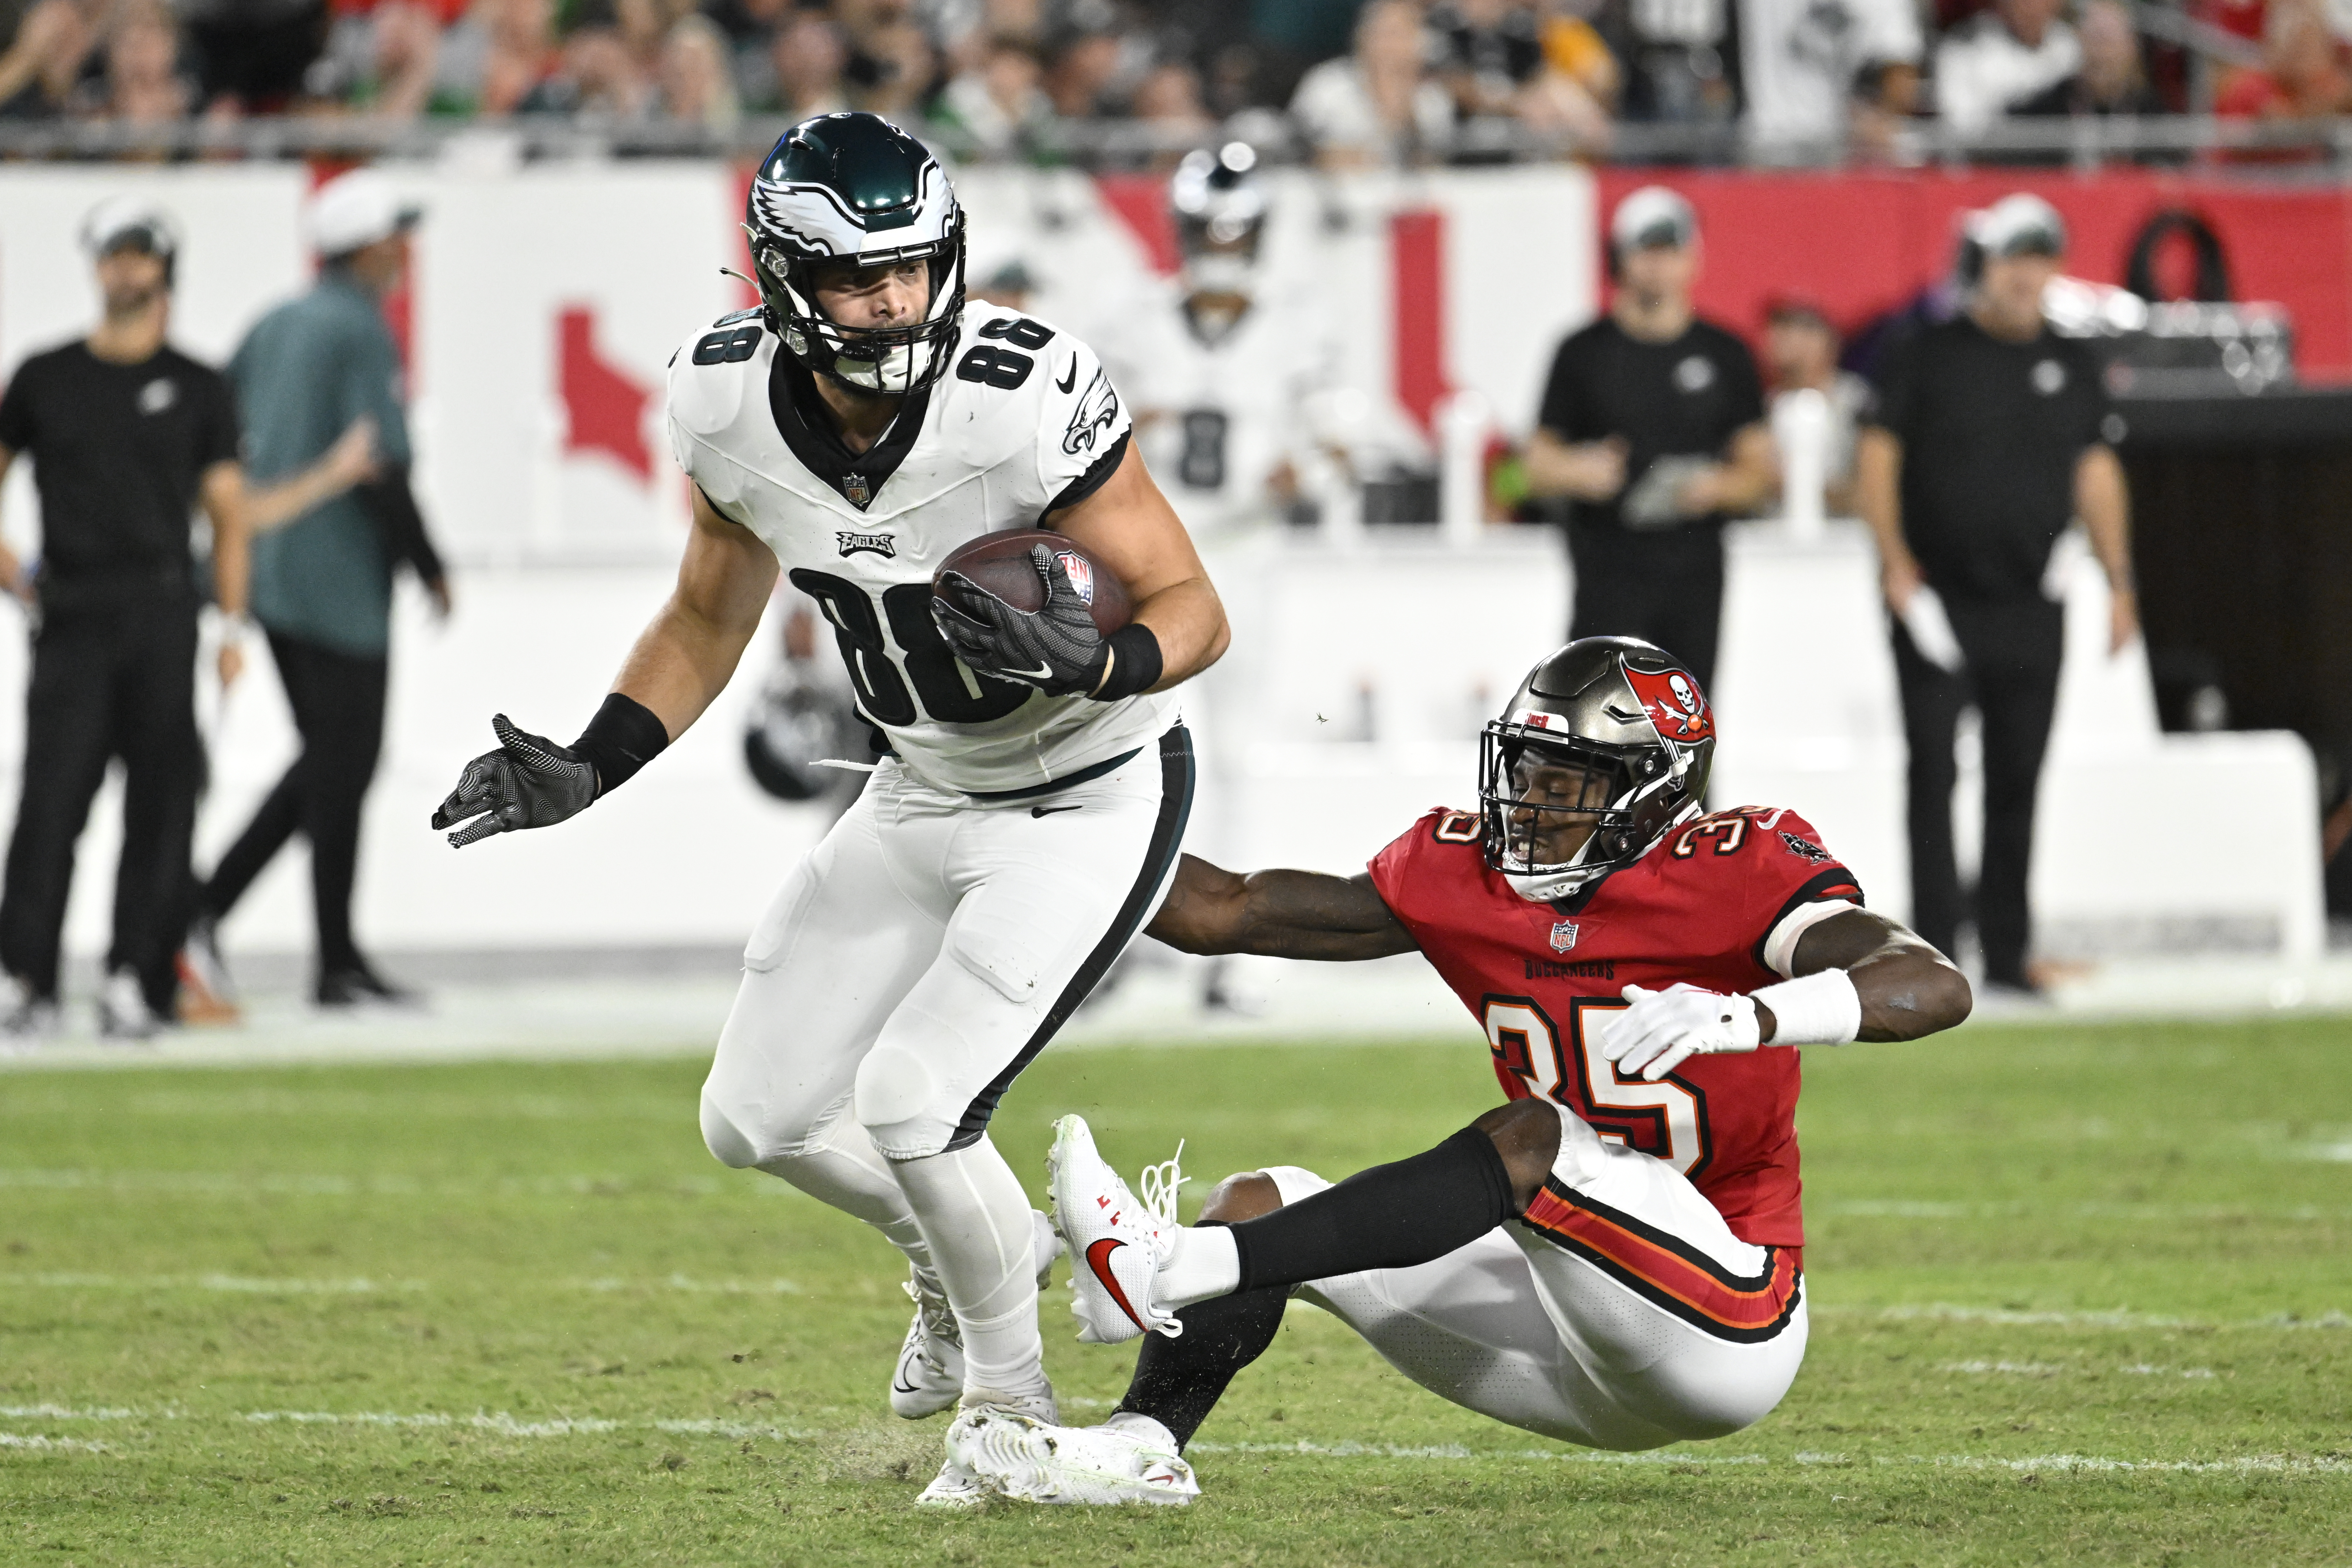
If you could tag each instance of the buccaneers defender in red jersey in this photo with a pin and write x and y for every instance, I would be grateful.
(1614, 1258)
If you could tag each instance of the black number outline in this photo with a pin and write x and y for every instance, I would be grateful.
(988, 366)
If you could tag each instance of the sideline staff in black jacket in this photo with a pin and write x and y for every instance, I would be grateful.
(1990, 435)
(1652, 427)
(127, 435)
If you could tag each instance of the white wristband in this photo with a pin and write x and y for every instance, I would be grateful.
(1822, 1009)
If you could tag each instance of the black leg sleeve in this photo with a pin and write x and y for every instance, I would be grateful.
(1391, 1216)
(1178, 1381)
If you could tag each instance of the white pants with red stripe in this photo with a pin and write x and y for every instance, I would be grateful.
(1620, 1313)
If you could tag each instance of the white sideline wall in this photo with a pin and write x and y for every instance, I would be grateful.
(1425, 639)
(1359, 679)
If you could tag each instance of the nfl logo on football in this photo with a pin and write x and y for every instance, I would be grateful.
(1082, 574)
(1563, 936)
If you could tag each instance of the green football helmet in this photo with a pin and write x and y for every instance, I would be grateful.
(854, 187)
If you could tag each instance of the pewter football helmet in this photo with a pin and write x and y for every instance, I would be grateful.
(1629, 715)
(854, 187)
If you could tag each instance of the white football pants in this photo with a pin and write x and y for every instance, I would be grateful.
(925, 952)
(1620, 1313)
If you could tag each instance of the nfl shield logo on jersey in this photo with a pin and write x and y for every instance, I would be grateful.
(1082, 574)
(855, 487)
(1563, 936)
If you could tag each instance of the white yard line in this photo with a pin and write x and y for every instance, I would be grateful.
(505, 1424)
(2117, 1318)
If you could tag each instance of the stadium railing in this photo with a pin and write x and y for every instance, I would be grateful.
(2316, 148)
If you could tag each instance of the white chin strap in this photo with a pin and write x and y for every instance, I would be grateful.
(895, 371)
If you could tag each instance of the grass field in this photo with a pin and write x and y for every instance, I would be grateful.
(2079, 1295)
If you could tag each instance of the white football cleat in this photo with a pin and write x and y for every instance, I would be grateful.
(1028, 1460)
(956, 1486)
(1115, 1243)
(959, 1484)
(928, 1377)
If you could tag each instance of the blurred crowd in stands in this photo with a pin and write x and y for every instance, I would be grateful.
(1353, 82)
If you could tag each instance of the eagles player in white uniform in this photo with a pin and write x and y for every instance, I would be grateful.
(1221, 374)
(1022, 824)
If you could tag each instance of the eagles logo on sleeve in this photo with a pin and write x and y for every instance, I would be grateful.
(1096, 412)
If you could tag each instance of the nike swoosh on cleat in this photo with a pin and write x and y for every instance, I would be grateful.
(1043, 672)
(1050, 810)
(1070, 380)
(1099, 1260)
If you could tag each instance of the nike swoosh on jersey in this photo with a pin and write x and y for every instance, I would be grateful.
(1050, 810)
(1070, 380)
(1099, 1260)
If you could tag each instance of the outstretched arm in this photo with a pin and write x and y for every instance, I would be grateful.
(1907, 988)
(1855, 976)
(1282, 914)
(684, 658)
(679, 663)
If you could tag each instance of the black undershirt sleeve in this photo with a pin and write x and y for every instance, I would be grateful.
(391, 505)
(16, 429)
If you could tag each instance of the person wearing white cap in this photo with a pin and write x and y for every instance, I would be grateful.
(128, 437)
(323, 585)
(1991, 434)
(1652, 432)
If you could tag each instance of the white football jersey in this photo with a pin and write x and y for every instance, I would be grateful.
(1024, 422)
(1216, 417)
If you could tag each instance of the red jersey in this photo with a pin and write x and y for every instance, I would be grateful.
(1718, 904)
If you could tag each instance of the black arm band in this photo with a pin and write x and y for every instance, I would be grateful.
(1134, 663)
(622, 737)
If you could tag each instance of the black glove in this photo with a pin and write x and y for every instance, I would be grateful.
(1055, 648)
(529, 782)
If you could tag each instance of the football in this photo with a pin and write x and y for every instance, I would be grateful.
(1000, 564)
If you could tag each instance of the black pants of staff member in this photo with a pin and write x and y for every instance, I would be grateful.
(1665, 587)
(338, 702)
(2013, 650)
(116, 679)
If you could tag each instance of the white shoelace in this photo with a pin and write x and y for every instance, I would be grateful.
(1161, 1185)
(939, 1316)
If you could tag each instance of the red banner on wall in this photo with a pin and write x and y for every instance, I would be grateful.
(1864, 242)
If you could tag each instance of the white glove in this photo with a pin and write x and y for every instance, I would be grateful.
(1664, 1028)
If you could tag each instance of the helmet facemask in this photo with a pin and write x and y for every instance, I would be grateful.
(1220, 212)
(852, 190)
(1538, 789)
(885, 361)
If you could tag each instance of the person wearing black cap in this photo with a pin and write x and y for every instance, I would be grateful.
(127, 435)
(1653, 429)
(1990, 435)
(322, 586)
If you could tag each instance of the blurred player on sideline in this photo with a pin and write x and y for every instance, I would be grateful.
(1223, 372)
(128, 437)
(1614, 1257)
(1023, 822)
